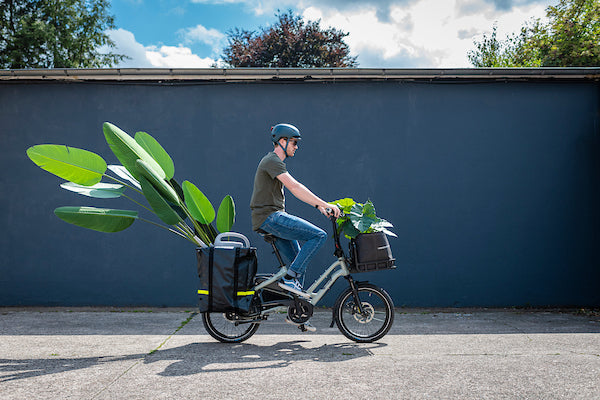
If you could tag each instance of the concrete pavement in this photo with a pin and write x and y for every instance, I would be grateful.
(89, 353)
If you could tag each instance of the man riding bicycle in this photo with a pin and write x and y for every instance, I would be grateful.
(268, 208)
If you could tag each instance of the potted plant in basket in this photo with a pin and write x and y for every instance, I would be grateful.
(360, 218)
(369, 247)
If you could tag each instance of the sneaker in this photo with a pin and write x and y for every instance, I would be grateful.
(293, 286)
(305, 327)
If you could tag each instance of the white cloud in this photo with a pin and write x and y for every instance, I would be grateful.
(126, 44)
(154, 56)
(212, 37)
(424, 33)
(176, 57)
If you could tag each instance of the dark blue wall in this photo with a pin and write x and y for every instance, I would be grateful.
(493, 187)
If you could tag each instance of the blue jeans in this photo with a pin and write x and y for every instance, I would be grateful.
(289, 230)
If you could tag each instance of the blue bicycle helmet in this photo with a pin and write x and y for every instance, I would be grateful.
(286, 131)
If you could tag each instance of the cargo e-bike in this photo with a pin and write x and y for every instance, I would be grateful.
(363, 312)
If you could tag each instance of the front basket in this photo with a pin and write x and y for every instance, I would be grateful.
(371, 252)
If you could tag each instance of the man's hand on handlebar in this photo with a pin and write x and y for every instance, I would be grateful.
(330, 210)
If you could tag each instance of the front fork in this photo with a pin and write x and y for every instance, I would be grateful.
(357, 302)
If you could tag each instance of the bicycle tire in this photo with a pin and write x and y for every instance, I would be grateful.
(225, 331)
(378, 315)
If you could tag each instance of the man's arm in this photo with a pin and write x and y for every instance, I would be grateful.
(302, 193)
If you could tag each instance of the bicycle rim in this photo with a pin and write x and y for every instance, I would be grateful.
(225, 330)
(376, 319)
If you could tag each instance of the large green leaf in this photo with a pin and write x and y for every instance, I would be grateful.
(348, 229)
(158, 203)
(122, 173)
(99, 190)
(226, 214)
(159, 183)
(128, 151)
(345, 205)
(197, 203)
(157, 152)
(70, 163)
(98, 219)
(178, 209)
(361, 220)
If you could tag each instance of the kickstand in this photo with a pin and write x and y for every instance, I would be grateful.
(302, 328)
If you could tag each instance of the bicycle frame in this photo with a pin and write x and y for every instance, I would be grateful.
(336, 270)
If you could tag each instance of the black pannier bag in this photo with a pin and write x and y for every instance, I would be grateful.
(371, 252)
(226, 278)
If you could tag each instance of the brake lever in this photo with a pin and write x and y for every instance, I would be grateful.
(332, 216)
(330, 213)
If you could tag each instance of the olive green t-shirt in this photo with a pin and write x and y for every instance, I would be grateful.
(267, 196)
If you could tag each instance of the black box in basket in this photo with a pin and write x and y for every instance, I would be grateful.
(371, 252)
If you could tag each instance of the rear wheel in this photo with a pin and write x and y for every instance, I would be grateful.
(376, 318)
(227, 328)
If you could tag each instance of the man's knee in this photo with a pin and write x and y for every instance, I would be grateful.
(321, 235)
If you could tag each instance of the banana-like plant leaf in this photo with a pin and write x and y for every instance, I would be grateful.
(128, 151)
(226, 214)
(179, 191)
(157, 152)
(160, 184)
(99, 190)
(98, 219)
(158, 203)
(177, 188)
(197, 203)
(122, 173)
(70, 163)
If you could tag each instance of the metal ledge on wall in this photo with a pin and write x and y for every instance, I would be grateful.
(296, 74)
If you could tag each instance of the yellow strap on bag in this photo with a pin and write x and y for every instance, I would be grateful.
(249, 293)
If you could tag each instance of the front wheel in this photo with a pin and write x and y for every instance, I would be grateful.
(227, 328)
(375, 320)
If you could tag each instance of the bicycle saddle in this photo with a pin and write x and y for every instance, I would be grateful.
(269, 238)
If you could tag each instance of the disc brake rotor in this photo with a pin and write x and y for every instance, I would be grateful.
(367, 315)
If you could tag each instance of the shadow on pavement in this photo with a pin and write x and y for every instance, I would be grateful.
(195, 358)
(28, 368)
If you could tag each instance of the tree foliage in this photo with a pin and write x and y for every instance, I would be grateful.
(55, 34)
(290, 42)
(570, 38)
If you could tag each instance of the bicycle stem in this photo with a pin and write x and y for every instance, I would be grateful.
(339, 252)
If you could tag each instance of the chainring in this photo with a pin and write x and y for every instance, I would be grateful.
(300, 311)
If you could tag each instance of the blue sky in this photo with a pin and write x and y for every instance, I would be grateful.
(382, 33)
